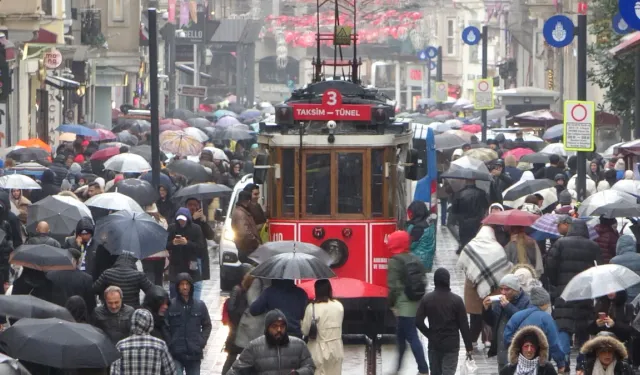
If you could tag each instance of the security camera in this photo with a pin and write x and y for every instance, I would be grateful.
(331, 125)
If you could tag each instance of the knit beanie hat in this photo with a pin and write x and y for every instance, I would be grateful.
(565, 197)
(539, 297)
(510, 281)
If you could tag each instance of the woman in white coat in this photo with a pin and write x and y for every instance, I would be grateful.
(326, 348)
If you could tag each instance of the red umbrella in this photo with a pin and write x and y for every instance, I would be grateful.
(103, 135)
(167, 127)
(105, 153)
(472, 128)
(518, 152)
(439, 113)
(174, 121)
(347, 288)
(511, 218)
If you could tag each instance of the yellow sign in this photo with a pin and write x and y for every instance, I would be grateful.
(579, 125)
(342, 36)
(483, 94)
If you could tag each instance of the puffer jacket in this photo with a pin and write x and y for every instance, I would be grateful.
(126, 276)
(263, 357)
(607, 240)
(569, 256)
(59, 169)
(189, 324)
(117, 326)
(156, 297)
(627, 256)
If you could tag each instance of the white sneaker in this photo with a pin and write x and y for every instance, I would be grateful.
(487, 344)
(480, 346)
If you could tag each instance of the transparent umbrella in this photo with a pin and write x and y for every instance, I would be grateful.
(599, 281)
(611, 204)
(466, 162)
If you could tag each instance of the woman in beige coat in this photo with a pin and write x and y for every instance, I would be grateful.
(326, 348)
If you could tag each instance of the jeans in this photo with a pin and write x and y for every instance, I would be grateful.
(444, 204)
(189, 367)
(443, 363)
(407, 332)
(197, 290)
(154, 269)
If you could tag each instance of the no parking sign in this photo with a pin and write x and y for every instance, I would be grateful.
(442, 92)
(483, 94)
(579, 125)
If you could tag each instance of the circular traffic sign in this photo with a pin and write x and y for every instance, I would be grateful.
(422, 55)
(630, 12)
(619, 25)
(442, 87)
(432, 65)
(432, 52)
(558, 31)
(578, 116)
(471, 35)
(483, 86)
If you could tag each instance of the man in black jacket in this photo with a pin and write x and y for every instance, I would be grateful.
(126, 276)
(95, 258)
(59, 168)
(469, 206)
(13, 229)
(447, 316)
(157, 302)
(114, 317)
(42, 237)
(185, 247)
(67, 283)
(552, 170)
(199, 218)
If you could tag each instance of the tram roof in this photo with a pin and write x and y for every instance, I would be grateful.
(344, 141)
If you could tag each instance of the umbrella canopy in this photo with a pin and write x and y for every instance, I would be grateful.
(250, 114)
(140, 126)
(556, 148)
(77, 129)
(58, 343)
(626, 186)
(105, 153)
(197, 134)
(203, 191)
(484, 154)
(449, 140)
(471, 128)
(218, 154)
(535, 158)
(114, 202)
(293, 266)
(61, 212)
(139, 190)
(611, 204)
(540, 115)
(434, 114)
(236, 134)
(174, 122)
(467, 174)
(440, 127)
(599, 281)
(227, 121)
(193, 171)
(169, 127)
(556, 131)
(518, 153)
(103, 135)
(42, 258)
(466, 162)
(270, 249)
(180, 143)
(127, 163)
(145, 152)
(126, 137)
(137, 234)
(34, 143)
(11, 366)
(18, 181)
(181, 113)
(26, 154)
(27, 306)
(199, 122)
(344, 288)
(525, 188)
(493, 114)
(547, 227)
(164, 180)
(67, 137)
(511, 218)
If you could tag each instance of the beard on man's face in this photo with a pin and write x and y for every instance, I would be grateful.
(279, 340)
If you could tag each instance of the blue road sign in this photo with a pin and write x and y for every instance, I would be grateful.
(432, 65)
(630, 12)
(432, 52)
(422, 55)
(619, 25)
(471, 35)
(558, 31)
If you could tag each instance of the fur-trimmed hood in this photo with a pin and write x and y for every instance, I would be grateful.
(516, 344)
(590, 347)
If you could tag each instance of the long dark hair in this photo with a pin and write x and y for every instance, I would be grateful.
(324, 291)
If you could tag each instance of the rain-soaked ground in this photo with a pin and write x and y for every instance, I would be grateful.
(354, 363)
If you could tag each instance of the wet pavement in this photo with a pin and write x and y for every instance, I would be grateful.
(354, 363)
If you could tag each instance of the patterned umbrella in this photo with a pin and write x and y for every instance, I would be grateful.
(197, 134)
(547, 227)
(484, 154)
(174, 121)
(180, 143)
(103, 135)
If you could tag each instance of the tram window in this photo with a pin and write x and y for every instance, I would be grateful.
(318, 184)
(350, 183)
(288, 182)
(377, 182)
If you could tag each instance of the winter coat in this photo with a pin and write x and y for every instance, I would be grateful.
(627, 256)
(469, 205)
(285, 296)
(247, 236)
(545, 367)
(69, 283)
(59, 169)
(472, 301)
(251, 327)
(398, 245)
(184, 258)
(264, 358)
(498, 317)
(549, 172)
(541, 320)
(22, 204)
(207, 234)
(532, 251)
(422, 234)
(33, 282)
(589, 350)
(607, 240)
(48, 185)
(166, 207)
(115, 325)
(126, 276)
(569, 256)
(514, 172)
(326, 349)
(42, 239)
(11, 238)
(619, 311)
(152, 302)
(189, 324)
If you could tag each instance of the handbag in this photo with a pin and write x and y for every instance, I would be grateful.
(313, 329)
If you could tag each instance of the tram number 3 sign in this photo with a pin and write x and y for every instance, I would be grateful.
(331, 108)
(579, 125)
(483, 94)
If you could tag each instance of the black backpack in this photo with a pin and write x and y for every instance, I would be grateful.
(415, 278)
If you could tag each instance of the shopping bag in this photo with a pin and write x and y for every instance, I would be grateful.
(264, 233)
(469, 367)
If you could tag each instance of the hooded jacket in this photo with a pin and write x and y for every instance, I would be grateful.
(126, 276)
(285, 296)
(607, 238)
(569, 256)
(49, 186)
(184, 258)
(619, 311)
(141, 353)
(446, 314)
(544, 367)
(155, 298)
(398, 244)
(262, 357)
(534, 317)
(627, 256)
(166, 207)
(590, 348)
(247, 236)
(189, 324)
(59, 169)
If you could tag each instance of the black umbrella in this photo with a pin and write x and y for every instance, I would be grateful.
(62, 213)
(193, 171)
(536, 158)
(126, 137)
(293, 266)
(139, 190)
(182, 114)
(60, 344)
(235, 133)
(199, 122)
(140, 126)
(164, 180)
(446, 141)
(26, 306)
(125, 232)
(467, 174)
(145, 152)
(11, 366)
(271, 249)
(22, 155)
(203, 191)
(527, 188)
(42, 258)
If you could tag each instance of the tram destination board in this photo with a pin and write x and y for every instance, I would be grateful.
(579, 125)
(331, 108)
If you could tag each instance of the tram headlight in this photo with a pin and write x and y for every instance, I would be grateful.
(228, 234)
(331, 125)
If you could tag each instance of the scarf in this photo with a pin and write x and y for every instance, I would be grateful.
(529, 366)
(599, 370)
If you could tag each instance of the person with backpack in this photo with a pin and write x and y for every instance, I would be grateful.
(407, 283)
(423, 232)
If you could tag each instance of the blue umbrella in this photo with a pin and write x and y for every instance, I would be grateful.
(222, 113)
(78, 130)
(556, 131)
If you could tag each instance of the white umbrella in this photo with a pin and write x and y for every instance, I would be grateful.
(114, 202)
(218, 154)
(599, 281)
(627, 186)
(127, 163)
(461, 103)
(197, 134)
(549, 195)
(610, 203)
(467, 162)
(557, 149)
(18, 181)
(75, 203)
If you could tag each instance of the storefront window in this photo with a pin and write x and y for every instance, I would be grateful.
(318, 184)
(350, 199)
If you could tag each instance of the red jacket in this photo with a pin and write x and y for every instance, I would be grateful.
(607, 240)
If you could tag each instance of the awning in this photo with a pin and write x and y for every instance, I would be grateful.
(187, 69)
(62, 83)
(628, 43)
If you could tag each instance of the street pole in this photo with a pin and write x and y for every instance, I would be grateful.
(196, 74)
(428, 78)
(439, 70)
(170, 69)
(153, 90)
(485, 48)
(581, 182)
